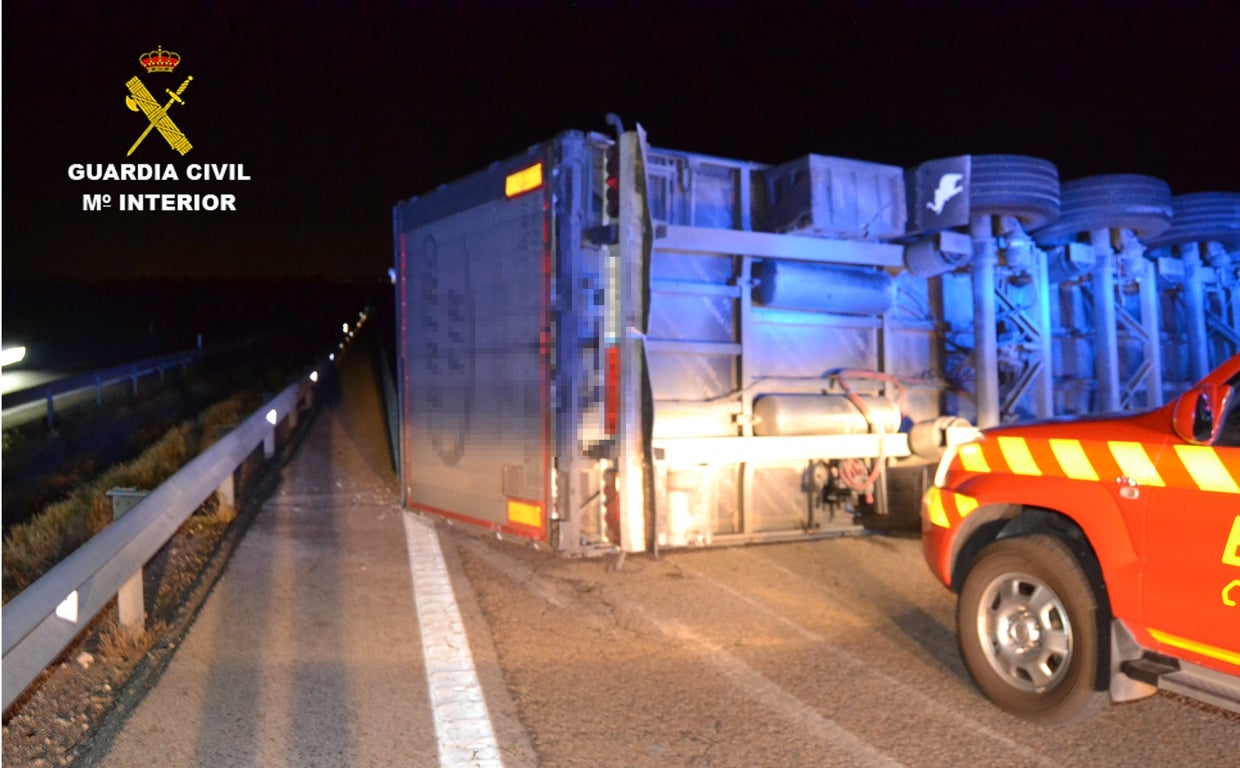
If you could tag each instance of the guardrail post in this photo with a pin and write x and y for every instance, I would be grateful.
(51, 410)
(228, 489)
(269, 440)
(129, 602)
(293, 410)
(228, 492)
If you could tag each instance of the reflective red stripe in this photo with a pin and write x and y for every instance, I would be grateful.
(611, 406)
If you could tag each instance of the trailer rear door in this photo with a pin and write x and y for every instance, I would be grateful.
(474, 292)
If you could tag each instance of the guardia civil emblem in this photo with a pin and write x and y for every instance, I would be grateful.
(141, 100)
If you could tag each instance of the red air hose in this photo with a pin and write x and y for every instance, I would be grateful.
(853, 472)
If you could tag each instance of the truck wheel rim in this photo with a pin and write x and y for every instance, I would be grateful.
(1025, 632)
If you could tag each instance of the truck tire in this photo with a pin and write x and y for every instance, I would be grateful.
(1030, 632)
(1116, 201)
(1014, 185)
(1203, 217)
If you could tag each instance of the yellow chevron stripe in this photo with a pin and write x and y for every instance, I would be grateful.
(1231, 657)
(1016, 453)
(1072, 459)
(1135, 463)
(972, 458)
(1207, 469)
(964, 504)
(934, 508)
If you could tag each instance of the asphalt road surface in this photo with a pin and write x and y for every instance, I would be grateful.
(830, 653)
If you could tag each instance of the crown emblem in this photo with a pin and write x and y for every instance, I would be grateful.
(160, 60)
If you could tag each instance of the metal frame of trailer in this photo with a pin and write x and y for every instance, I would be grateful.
(606, 346)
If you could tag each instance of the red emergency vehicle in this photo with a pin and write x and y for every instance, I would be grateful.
(1097, 559)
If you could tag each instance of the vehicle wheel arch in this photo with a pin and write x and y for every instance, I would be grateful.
(1092, 528)
(979, 530)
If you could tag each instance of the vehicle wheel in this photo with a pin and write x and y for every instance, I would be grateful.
(1117, 201)
(1030, 631)
(1202, 217)
(1014, 185)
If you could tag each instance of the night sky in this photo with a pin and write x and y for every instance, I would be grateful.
(337, 111)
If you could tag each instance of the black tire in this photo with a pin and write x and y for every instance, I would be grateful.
(1031, 633)
(1118, 201)
(1203, 217)
(1014, 185)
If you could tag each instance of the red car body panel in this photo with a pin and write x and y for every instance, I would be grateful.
(1161, 512)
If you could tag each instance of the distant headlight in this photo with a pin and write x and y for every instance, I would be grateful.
(12, 355)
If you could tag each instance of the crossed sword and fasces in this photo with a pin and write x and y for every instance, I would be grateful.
(141, 98)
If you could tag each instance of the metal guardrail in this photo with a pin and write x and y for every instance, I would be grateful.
(43, 619)
(98, 380)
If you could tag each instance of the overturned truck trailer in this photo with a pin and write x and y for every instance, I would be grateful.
(605, 345)
(608, 346)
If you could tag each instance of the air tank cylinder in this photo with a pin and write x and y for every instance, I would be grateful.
(796, 414)
(928, 439)
(822, 287)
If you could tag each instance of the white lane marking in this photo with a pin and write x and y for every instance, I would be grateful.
(758, 686)
(462, 723)
(749, 681)
(930, 703)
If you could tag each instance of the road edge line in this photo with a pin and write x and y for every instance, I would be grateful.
(463, 729)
